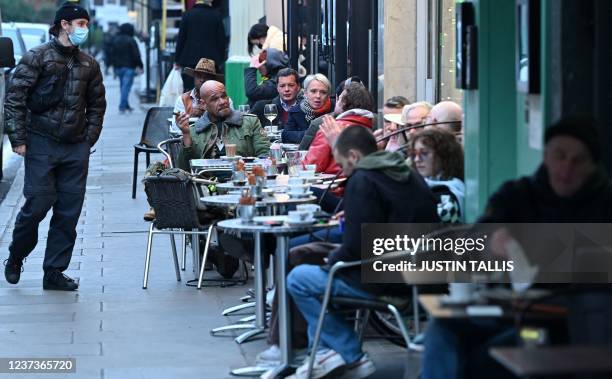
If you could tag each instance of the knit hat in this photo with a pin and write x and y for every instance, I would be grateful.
(70, 12)
(582, 128)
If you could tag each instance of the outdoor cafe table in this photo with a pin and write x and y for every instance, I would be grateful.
(281, 181)
(270, 203)
(282, 234)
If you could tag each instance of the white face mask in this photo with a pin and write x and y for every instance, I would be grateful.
(256, 50)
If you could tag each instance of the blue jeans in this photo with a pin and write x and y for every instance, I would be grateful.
(333, 235)
(306, 284)
(126, 79)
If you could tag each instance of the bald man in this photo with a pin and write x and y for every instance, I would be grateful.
(218, 126)
(447, 111)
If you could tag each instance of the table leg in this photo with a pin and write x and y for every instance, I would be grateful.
(284, 312)
(260, 291)
(260, 294)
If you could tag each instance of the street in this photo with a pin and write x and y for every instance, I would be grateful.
(113, 327)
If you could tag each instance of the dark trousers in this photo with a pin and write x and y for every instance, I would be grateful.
(55, 177)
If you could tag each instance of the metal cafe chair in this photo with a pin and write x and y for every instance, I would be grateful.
(154, 130)
(175, 202)
(390, 304)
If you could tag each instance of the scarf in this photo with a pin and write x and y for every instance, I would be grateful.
(310, 113)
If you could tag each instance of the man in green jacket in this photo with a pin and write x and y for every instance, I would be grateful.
(219, 126)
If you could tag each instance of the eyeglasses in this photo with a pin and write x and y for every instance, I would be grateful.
(421, 154)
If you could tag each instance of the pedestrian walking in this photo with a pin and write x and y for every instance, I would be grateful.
(201, 35)
(127, 63)
(54, 111)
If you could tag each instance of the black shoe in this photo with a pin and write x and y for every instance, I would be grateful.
(13, 270)
(56, 280)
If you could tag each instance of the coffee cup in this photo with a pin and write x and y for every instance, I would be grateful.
(298, 189)
(461, 292)
(246, 212)
(310, 208)
(296, 181)
(298, 216)
(307, 173)
(230, 149)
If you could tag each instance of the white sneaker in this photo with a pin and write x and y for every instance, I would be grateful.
(360, 369)
(272, 356)
(269, 357)
(326, 363)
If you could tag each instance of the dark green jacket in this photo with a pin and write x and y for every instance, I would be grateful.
(244, 130)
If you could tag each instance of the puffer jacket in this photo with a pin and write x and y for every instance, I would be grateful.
(320, 153)
(77, 117)
(244, 130)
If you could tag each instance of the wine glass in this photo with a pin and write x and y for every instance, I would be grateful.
(244, 108)
(270, 112)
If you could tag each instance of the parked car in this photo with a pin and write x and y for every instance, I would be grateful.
(6, 61)
(33, 34)
(11, 31)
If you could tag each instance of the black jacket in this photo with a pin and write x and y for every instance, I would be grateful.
(125, 51)
(201, 35)
(77, 117)
(258, 110)
(256, 92)
(276, 60)
(298, 130)
(373, 197)
(531, 199)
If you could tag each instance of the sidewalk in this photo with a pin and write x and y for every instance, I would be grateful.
(113, 327)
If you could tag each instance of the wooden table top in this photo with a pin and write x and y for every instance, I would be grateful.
(555, 360)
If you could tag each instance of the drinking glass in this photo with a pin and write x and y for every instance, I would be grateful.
(270, 112)
(246, 108)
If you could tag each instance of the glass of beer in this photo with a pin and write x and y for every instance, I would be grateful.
(230, 149)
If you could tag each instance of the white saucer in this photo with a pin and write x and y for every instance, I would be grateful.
(447, 300)
(234, 158)
(301, 223)
(299, 195)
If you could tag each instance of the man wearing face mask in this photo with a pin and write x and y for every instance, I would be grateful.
(54, 109)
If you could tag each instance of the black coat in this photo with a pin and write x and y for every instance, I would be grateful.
(531, 199)
(201, 35)
(258, 110)
(257, 92)
(373, 197)
(78, 117)
(297, 127)
(125, 52)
